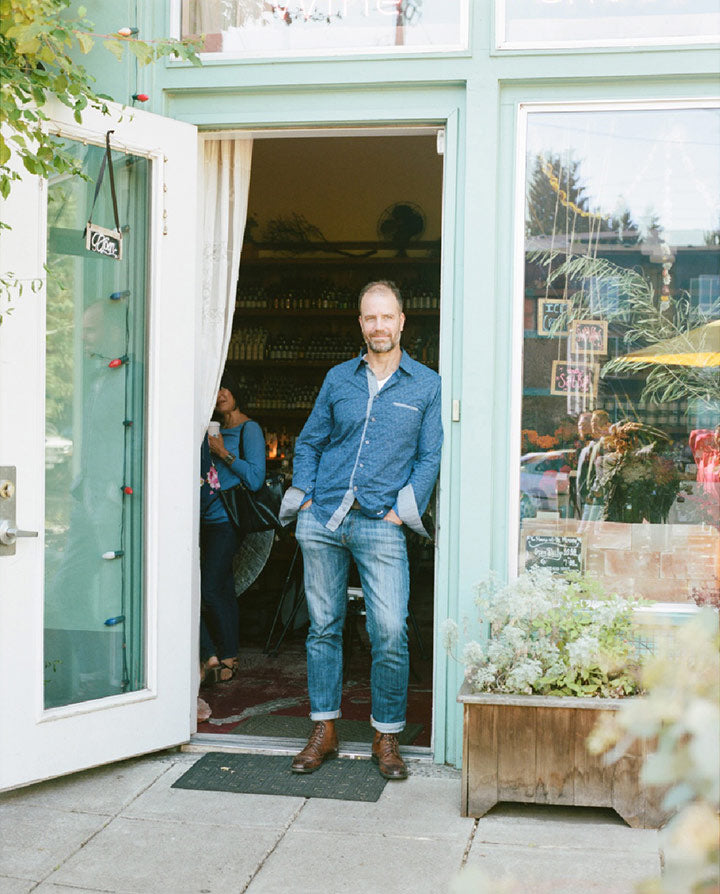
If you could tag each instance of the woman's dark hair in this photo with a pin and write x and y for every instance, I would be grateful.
(239, 392)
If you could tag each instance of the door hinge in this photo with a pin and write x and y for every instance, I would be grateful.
(441, 141)
(456, 411)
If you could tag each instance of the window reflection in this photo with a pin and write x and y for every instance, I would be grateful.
(621, 367)
(255, 27)
(548, 23)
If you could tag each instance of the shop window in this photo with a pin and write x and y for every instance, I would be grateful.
(536, 24)
(620, 421)
(252, 28)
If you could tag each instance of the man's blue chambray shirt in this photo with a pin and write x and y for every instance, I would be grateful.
(379, 447)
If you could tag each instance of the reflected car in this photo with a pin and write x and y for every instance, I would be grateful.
(542, 476)
(57, 448)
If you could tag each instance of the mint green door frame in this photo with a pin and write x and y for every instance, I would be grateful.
(387, 108)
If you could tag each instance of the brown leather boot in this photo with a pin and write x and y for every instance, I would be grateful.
(386, 754)
(322, 745)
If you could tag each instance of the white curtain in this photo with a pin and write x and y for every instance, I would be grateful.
(225, 181)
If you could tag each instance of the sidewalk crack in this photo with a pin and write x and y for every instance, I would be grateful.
(471, 839)
(272, 850)
(102, 828)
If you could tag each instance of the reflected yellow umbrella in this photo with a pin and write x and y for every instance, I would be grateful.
(699, 347)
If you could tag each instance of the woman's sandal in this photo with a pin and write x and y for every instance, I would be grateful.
(227, 670)
(209, 672)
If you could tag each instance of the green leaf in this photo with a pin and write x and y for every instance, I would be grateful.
(85, 42)
(116, 47)
(143, 51)
(31, 164)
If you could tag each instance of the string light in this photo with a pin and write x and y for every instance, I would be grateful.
(126, 489)
(118, 361)
(140, 97)
(127, 31)
(111, 622)
(114, 554)
(563, 196)
(117, 296)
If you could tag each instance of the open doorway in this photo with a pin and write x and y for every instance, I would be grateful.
(326, 215)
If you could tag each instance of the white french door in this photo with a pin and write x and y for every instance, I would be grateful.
(97, 453)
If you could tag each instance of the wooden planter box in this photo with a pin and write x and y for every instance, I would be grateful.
(531, 748)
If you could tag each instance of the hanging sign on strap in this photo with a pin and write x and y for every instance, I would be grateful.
(99, 239)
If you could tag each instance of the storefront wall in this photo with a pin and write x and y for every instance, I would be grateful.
(477, 97)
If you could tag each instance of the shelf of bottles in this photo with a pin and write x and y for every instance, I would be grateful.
(280, 393)
(259, 345)
(320, 297)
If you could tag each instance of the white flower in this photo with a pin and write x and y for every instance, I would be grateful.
(450, 633)
(584, 652)
(524, 675)
(473, 654)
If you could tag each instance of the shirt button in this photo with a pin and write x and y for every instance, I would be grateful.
(355, 488)
(372, 419)
(367, 442)
(362, 465)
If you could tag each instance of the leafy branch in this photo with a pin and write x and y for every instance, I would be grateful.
(11, 288)
(39, 47)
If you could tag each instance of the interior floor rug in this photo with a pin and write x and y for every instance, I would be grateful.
(343, 779)
(288, 727)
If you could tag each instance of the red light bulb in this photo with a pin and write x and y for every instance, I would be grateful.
(141, 97)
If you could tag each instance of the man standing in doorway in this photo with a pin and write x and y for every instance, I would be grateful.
(365, 465)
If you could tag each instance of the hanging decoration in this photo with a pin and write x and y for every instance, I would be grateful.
(99, 239)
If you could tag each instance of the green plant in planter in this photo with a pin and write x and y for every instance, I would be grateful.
(551, 635)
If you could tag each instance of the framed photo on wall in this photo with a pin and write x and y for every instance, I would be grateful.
(574, 378)
(588, 337)
(550, 316)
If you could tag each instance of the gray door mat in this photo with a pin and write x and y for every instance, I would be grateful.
(269, 774)
(288, 727)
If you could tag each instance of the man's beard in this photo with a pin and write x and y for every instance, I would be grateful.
(382, 346)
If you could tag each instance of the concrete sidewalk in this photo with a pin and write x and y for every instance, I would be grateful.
(122, 828)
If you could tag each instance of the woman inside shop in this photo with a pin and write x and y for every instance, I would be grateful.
(236, 454)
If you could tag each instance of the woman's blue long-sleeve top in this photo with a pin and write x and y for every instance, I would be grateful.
(248, 468)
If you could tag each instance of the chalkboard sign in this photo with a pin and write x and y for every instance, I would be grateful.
(574, 378)
(104, 242)
(554, 551)
(588, 337)
(550, 314)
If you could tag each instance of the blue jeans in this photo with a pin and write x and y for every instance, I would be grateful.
(380, 553)
(219, 614)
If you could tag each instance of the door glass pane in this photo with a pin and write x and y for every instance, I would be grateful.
(94, 410)
(620, 444)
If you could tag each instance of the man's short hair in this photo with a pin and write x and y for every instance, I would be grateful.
(381, 283)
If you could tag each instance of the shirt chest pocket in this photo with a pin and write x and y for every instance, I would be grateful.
(405, 416)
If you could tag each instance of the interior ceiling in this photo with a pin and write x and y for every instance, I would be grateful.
(343, 185)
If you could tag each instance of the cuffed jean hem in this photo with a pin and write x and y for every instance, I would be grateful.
(324, 715)
(387, 727)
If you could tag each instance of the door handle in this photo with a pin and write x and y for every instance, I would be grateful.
(9, 534)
